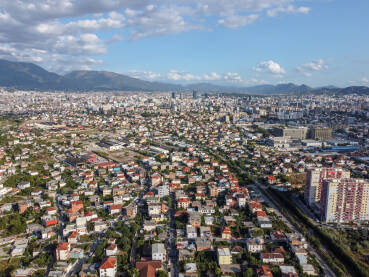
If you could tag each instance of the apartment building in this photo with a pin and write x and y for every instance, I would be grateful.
(345, 200)
(314, 181)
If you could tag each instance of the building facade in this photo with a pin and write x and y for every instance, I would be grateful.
(345, 200)
(314, 181)
(321, 133)
(293, 133)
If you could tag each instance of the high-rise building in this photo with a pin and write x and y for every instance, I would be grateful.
(320, 133)
(293, 133)
(345, 200)
(194, 94)
(173, 95)
(314, 181)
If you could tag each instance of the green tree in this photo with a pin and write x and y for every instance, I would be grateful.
(161, 273)
(248, 273)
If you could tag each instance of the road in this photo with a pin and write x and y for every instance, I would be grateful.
(327, 270)
(139, 201)
(303, 207)
(78, 265)
(172, 234)
(274, 204)
(275, 207)
(60, 236)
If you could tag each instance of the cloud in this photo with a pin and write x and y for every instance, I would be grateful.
(75, 28)
(290, 9)
(232, 77)
(176, 75)
(309, 68)
(144, 74)
(236, 21)
(364, 80)
(62, 64)
(270, 67)
(255, 81)
(157, 20)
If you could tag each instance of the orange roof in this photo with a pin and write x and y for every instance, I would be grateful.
(260, 213)
(63, 246)
(155, 264)
(109, 262)
(116, 207)
(226, 230)
(147, 271)
(112, 247)
(73, 235)
(184, 200)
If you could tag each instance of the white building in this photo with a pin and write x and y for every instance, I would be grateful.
(108, 267)
(314, 182)
(191, 232)
(163, 191)
(158, 252)
(345, 200)
(255, 245)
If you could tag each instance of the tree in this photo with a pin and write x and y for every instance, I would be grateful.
(134, 272)
(161, 273)
(248, 273)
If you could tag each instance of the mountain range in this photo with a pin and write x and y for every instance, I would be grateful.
(22, 75)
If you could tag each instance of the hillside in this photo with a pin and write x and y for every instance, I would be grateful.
(30, 76)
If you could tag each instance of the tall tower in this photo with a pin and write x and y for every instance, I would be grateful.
(345, 200)
(173, 95)
(314, 181)
(194, 94)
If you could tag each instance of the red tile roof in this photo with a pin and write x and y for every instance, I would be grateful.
(63, 246)
(109, 262)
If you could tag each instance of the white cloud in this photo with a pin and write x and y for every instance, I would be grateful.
(255, 81)
(73, 28)
(308, 68)
(178, 76)
(236, 21)
(290, 9)
(213, 76)
(157, 20)
(232, 77)
(144, 74)
(270, 67)
(364, 80)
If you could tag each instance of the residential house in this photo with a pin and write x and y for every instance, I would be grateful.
(224, 256)
(158, 252)
(108, 267)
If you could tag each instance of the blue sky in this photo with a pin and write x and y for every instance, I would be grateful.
(233, 42)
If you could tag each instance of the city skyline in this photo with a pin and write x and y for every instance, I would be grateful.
(240, 43)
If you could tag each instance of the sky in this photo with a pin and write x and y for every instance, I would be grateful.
(228, 42)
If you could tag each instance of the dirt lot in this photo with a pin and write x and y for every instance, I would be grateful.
(124, 156)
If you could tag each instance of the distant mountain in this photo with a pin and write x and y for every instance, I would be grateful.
(260, 89)
(30, 76)
(362, 90)
(27, 75)
(280, 88)
(103, 80)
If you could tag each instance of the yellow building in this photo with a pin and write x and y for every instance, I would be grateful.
(224, 256)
